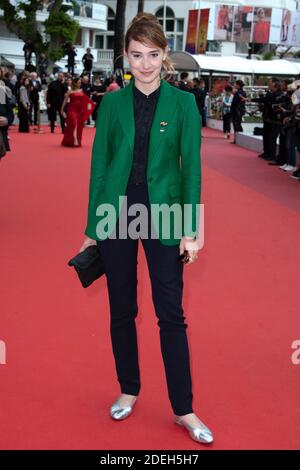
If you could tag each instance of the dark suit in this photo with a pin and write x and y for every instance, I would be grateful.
(55, 97)
(35, 88)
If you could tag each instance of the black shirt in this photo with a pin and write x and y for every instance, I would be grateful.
(86, 88)
(238, 104)
(144, 108)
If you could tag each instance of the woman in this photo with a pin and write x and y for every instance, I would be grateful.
(113, 86)
(261, 28)
(98, 90)
(69, 82)
(142, 130)
(24, 105)
(285, 24)
(238, 107)
(79, 109)
(6, 114)
(226, 110)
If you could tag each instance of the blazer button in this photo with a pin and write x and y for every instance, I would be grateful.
(150, 179)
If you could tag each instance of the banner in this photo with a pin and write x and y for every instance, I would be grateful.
(275, 29)
(261, 25)
(191, 37)
(243, 18)
(245, 24)
(223, 23)
(202, 31)
(290, 28)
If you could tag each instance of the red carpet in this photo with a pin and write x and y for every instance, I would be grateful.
(241, 302)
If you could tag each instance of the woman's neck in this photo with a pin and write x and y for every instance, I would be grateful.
(147, 88)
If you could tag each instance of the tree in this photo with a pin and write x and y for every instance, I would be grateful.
(49, 37)
(119, 35)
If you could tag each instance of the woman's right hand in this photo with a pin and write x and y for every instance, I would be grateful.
(87, 242)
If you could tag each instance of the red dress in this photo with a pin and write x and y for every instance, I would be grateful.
(79, 109)
(261, 32)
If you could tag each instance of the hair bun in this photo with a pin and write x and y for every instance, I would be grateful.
(143, 16)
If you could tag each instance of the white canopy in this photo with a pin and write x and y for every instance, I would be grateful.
(233, 64)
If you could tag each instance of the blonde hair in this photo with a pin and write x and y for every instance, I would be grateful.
(146, 28)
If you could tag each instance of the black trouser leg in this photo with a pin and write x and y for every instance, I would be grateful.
(282, 157)
(167, 286)
(62, 121)
(226, 123)
(266, 140)
(274, 133)
(35, 111)
(120, 261)
(203, 116)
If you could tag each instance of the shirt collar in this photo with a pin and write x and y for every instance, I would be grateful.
(142, 95)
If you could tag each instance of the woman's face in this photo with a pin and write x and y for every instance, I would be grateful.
(145, 61)
(78, 84)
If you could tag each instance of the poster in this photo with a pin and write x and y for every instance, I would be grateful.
(192, 31)
(242, 26)
(202, 31)
(275, 28)
(223, 23)
(261, 25)
(290, 28)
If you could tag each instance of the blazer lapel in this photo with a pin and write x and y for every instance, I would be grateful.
(126, 113)
(164, 113)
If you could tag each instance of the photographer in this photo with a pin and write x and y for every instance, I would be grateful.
(88, 60)
(270, 104)
(71, 59)
(285, 108)
(24, 105)
(6, 114)
(238, 107)
(287, 153)
(295, 123)
(35, 87)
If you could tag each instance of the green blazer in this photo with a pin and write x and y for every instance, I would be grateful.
(174, 166)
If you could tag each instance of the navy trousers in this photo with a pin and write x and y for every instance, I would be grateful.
(120, 262)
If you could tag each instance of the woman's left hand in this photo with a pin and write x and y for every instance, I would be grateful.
(191, 246)
(3, 121)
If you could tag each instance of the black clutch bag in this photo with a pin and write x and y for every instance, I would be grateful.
(88, 265)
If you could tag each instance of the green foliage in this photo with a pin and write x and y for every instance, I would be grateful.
(59, 28)
(268, 55)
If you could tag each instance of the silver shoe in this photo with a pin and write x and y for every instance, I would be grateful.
(198, 433)
(118, 412)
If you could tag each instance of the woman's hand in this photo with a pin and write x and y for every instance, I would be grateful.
(3, 121)
(191, 246)
(63, 114)
(87, 242)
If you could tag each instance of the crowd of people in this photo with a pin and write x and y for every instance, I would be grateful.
(75, 100)
(281, 117)
(280, 109)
